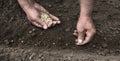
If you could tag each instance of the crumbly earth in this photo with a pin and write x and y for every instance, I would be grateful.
(21, 41)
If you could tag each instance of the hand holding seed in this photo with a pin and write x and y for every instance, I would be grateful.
(40, 17)
(45, 18)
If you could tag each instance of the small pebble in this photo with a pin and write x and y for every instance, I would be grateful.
(12, 41)
(33, 34)
(31, 57)
(66, 44)
(6, 41)
(22, 41)
(59, 38)
(104, 45)
(68, 18)
(67, 29)
(69, 58)
(41, 33)
(93, 46)
(53, 43)
(60, 15)
(35, 44)
(49, 5)
(30, 32)
(102, 53)
(33, 29)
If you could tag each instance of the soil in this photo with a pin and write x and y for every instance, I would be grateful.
(21, 41)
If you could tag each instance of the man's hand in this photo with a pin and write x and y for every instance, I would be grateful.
(85, 30)
(33, 12)
(33, 15)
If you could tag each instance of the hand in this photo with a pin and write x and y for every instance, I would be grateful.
(85, 30)
(33, 14)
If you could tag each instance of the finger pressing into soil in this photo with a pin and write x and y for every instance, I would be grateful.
(81, 35)
(79, 42)
(80, 39)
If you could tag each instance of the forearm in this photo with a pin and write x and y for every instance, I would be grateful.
(26, 4)
(86, 7)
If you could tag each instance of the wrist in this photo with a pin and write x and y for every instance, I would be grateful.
(26, 4)
(85, 16)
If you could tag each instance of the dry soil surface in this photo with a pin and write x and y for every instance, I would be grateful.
(21, 41)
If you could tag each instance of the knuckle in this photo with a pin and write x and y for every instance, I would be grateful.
(80, 29)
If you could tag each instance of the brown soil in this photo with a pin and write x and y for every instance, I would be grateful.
(21, 41)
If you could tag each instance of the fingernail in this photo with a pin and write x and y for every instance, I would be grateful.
(80, 41)
(59, 22)
(45, 27)
(54, 22)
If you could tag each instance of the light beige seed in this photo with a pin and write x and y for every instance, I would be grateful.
(45, 18)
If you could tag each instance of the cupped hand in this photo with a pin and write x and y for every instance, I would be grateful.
(33, 15)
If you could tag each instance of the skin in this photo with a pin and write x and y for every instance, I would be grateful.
(85, 28)
(32, 10)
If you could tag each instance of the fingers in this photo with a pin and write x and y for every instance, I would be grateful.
(80, 36)
(79, 42)
(80, 39)
(75, 33)
(44, 25)
(40, 8)
(39, 23)
(84, 37)
(89, 36)
(50, 23)
(54, 23)
(55, 19)
(36, 24)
